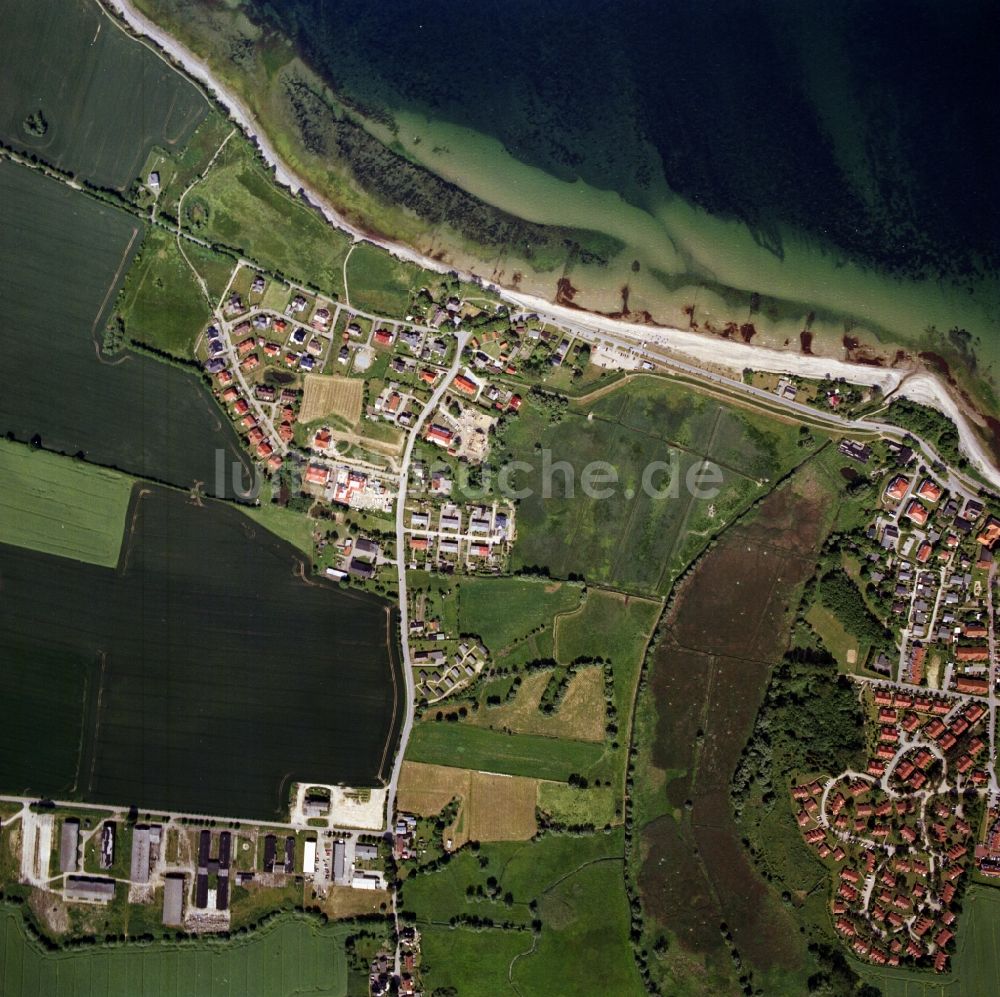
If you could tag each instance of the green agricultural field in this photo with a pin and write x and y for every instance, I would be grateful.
(60, 506)
(504, 610)
(577, 884)
(584, 945)
(572, 807)
(468, 747)
(162, 302)
(192, 703)
(471, 963)
(64, 257)
(633, 540)
(105, 101)
(291, 955)
(975, 964)
(380, 283)
(239, 204)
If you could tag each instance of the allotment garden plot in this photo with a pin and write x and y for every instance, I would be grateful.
(217, 673)
(81, 94)
(63, 257)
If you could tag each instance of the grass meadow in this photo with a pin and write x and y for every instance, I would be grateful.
(576, 883)
(380, 283)
(472, 963)
(631, 540)
(61, 506)
(162, 303)
(239, 204)
(503, 611)
(106, 101)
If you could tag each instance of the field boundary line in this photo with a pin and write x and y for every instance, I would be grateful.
(395, 691)
(520, 955)
(114, 280)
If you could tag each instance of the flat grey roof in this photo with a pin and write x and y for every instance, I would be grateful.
(140, 855)
(89, 888)
(173, 899)
(69, 843)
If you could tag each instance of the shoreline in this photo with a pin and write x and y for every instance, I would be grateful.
(913, 382)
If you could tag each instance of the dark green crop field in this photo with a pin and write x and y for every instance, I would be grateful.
(80, 94)
(45, 691)
(219, 675)
(63, 257)
(290, 956)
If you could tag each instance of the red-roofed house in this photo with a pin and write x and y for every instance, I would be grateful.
(439, 435)
(896, 489)
(317, 475)
(972, 654)
(929, 490)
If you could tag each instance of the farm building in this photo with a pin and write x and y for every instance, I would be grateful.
(366, 549)
(173, 900)
(90, 888)
(108, 844)
(367, 881)
(140, 854)
(69, 843)
(309, 857)
(339, 862)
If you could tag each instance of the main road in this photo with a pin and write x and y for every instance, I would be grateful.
(404, 611)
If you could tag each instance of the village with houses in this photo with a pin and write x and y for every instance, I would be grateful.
(325, 397)
(901, 837)
(904, 837)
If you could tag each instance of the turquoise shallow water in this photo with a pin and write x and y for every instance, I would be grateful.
(830, 155)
